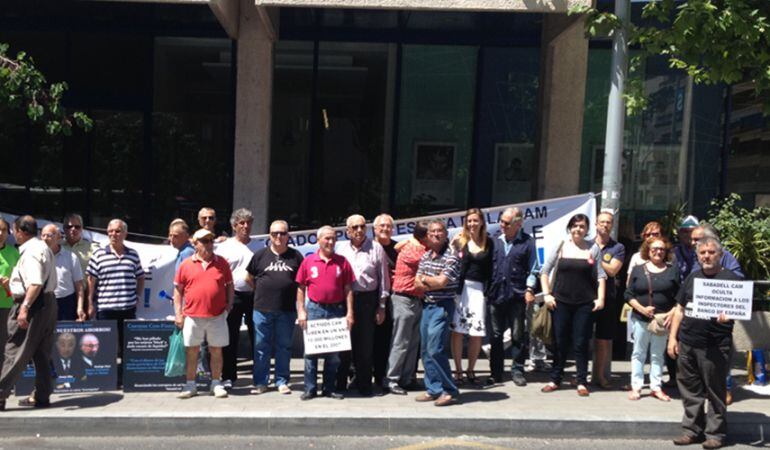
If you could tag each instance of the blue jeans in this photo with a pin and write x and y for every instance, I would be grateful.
(434, 332)
(644, 340)
(331, 360)
(272, 329)
(572, 328)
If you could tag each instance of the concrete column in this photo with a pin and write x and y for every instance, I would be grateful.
(563, 69)
(253, 110)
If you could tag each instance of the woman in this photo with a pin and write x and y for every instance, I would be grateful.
(573, 292)
(474, 248)
(651, 230)
(651, 290)
(9, 256)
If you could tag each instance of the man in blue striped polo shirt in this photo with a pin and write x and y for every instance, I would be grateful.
(115, 279)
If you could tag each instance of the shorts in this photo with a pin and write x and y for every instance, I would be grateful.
(213, 329)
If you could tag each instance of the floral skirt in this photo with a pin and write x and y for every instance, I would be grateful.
(470, 310)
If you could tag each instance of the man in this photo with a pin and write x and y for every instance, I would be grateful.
(89, 350)
(438, 277)
(80, 247)
(115, 280)
(325, 279)
(9, 256)
(203, 295)
(406, 302)
(727, 261)
(383, 233)
(207, 219)
(272, 272)
(179, 238)
(702, 347)
(238, 251)
(69, 276)
(371, 292)
(30, 335)
(512, 289)
(683, 251)
(613, 255)
(68, 368)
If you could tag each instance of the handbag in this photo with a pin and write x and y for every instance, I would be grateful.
(542, 326)
(656, 325)
(175, 360)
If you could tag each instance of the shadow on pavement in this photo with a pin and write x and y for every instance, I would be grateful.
(86, 401)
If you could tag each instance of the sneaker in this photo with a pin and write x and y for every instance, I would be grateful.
(188, 392)
(518, 378)
(284, 389)
(219, 391)
(308, 396)
(228, 384)
(259, 389)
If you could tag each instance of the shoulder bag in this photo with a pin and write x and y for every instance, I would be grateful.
(656, 325)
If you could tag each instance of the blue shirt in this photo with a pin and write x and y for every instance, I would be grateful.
(185, 252)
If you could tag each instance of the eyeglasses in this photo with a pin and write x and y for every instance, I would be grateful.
(278, 233)
(657, 249)
(357, 227)
(70, 226)
(205, 241)
(652, 234)
(507, 223)
(47, 235)
(208, 218)
(387, 226)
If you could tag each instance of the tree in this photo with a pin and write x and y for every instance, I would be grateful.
(24, 88)
(714, 41)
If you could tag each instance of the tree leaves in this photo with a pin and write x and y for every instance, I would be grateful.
(24, 88)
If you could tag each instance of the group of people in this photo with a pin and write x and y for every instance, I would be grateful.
(402, 301)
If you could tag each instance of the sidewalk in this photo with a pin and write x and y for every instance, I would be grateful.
(503, 410)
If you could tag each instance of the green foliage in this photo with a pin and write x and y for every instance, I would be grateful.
(746, 233)
(670, 222)
(24, 88)
(714, 41)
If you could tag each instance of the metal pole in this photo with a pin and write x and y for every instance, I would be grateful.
(616, 115)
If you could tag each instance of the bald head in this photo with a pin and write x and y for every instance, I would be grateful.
(51, 236)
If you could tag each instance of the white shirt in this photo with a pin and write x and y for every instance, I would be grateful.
(35, 266)
(238, 255)
(68, 272)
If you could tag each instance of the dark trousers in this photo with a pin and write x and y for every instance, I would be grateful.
(382, 336)
(572, 329)
(509, 314)
(701, 375)
(34, 343)
(67, 307)
(120, 316)
(365, 306)
(243, 310)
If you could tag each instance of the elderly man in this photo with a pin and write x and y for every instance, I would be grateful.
(406, 302)
(383, 234)
(69, 276)
(179, 238)
(207, 219)
(702, 347)
(438, 277)
(68, 368)
(9, 256)
(80, 247)
(115, 279)
(727, 260)
(272, 272)
(325, 279)
(203, 294)
(30, 335)
(238, 251)
(371, 292)
(613, 255)
(89, 350)
(514, 276)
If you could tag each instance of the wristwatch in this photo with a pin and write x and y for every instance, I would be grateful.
(383, 305)
(530, 290)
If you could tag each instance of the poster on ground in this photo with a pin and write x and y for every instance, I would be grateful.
(327, 336)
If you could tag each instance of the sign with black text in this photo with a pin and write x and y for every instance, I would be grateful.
(327, 336)
(713, 297)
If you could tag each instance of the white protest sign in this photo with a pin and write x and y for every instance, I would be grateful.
(326, 336)
(713, 297)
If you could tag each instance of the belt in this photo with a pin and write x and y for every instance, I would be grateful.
(403, 294)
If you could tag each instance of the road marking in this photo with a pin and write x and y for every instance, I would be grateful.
(450, 442)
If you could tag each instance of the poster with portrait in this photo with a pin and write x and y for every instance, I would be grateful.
(513, 173)
(145, 349)
(83, 358)
(434, 172)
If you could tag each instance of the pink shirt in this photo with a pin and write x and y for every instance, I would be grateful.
(325, 280)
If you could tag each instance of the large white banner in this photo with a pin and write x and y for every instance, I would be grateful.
(545, 220)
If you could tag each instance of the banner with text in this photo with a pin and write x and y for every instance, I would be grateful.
(714, 297)
(326, 336)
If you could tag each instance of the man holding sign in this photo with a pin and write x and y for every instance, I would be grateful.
(326, 279)
(702, 346)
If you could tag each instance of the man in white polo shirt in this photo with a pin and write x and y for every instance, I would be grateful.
(69, 277)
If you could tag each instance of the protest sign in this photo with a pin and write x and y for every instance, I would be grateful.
(326, 336)
(713, 297)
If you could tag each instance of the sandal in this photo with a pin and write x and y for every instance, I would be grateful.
(634, 395)
(583, 391)
(660, 395)
(471, 375)
(459, 380)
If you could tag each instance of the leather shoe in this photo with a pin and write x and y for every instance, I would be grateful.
(397, 390)
(30, 402)
(308, 396)
(491, 381)
(712, 443)
(424, 397)
(550, 387)
(687, 439)
(518, 379)
(445, 400)
(333, 395)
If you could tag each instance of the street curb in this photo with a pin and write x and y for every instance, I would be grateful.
(743, 429)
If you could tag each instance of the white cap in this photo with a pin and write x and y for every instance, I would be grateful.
(202, 233)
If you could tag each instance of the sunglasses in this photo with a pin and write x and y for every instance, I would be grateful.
(209, 218)
(69, 227)
(279, 233)
(357, 227)
(206, 241)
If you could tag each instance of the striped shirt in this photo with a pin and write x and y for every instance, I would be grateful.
(115, 278)
(444, 263)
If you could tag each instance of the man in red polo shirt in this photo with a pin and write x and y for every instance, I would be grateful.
(203, 295)
(326, 279)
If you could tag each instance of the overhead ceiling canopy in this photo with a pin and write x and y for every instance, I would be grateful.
(538, 6)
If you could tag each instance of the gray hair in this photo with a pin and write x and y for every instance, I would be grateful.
(181, 224)
(437, 221)
(55, 228)
(323, 230)
(123, 224)
(280, 222)
(708, 230)
(514, 211)
(205, 209)
(70, 216)
(383, 217)
(241, 214)
(354, 217)
(709, 240)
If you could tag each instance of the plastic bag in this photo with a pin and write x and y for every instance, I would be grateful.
(175, 360)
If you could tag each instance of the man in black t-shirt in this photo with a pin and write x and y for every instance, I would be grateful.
(271, 272)
(702, 347)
